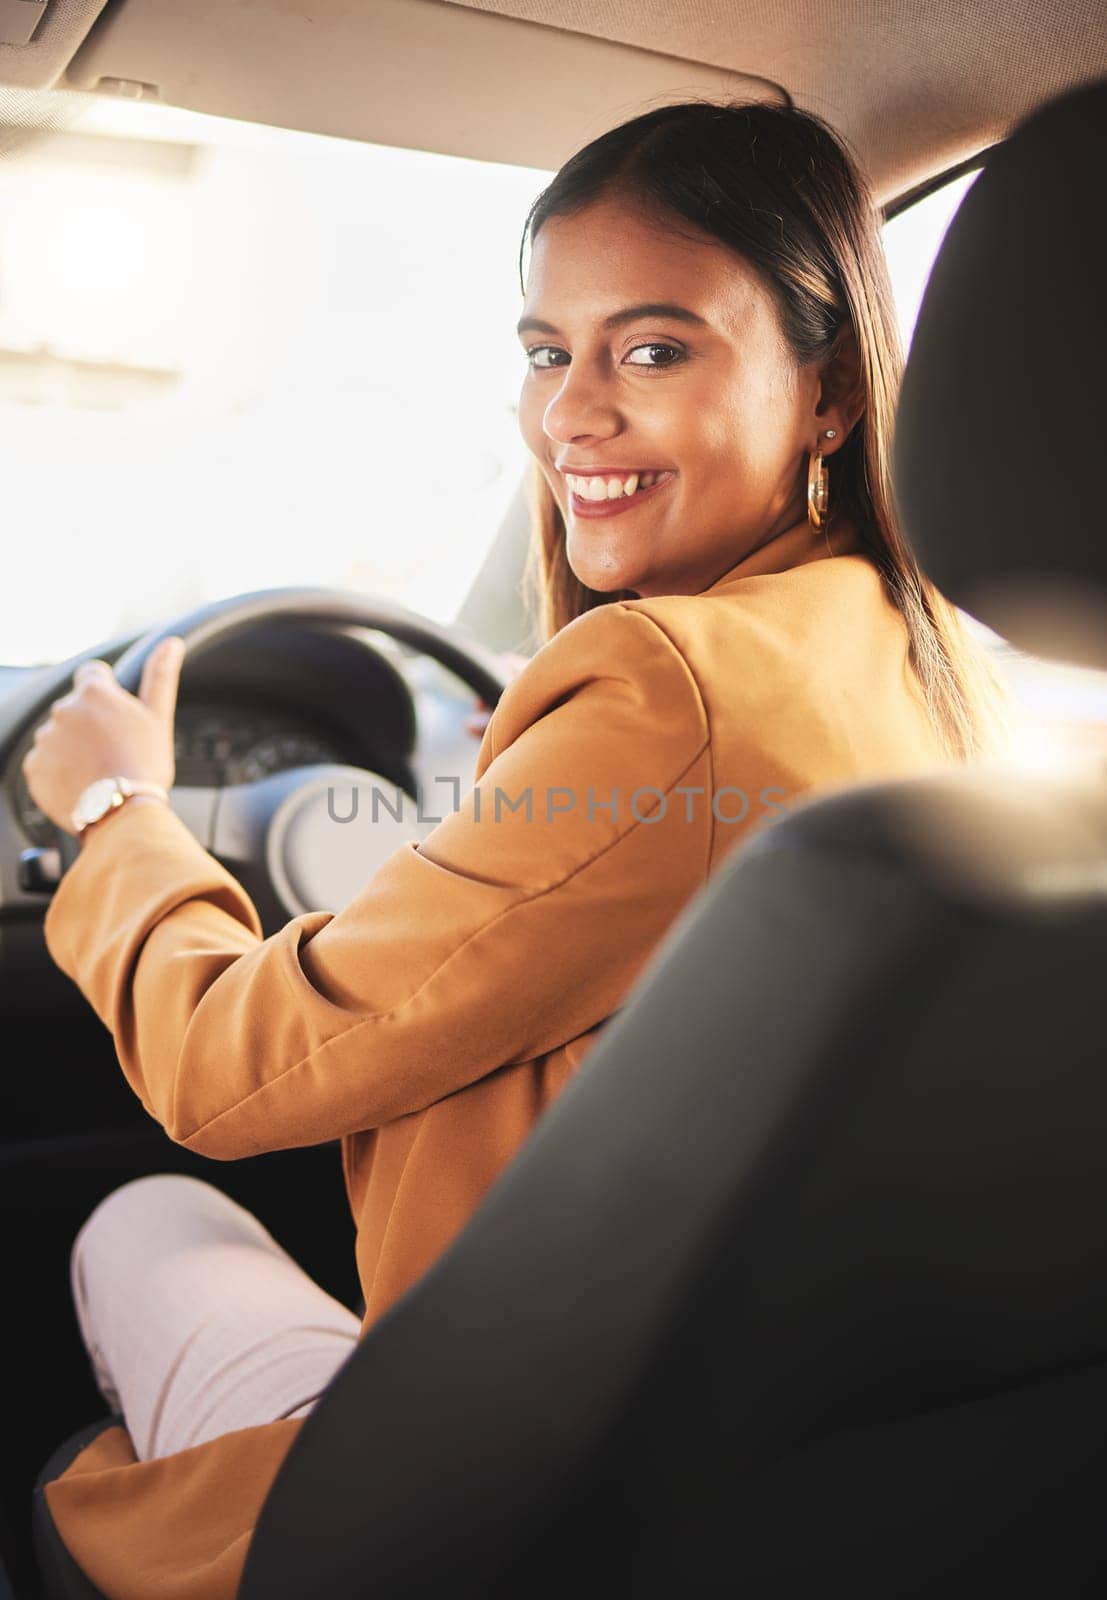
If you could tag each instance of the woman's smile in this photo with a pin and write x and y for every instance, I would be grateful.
(603, 495)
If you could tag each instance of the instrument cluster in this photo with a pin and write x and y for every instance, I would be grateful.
(215, 745)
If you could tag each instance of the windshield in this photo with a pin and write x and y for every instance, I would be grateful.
(234, 357)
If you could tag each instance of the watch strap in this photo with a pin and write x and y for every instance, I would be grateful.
(130, 786)
(122, 790)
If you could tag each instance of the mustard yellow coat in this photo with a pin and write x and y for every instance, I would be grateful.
(430, 1023)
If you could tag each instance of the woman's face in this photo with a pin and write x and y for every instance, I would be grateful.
(654, 353)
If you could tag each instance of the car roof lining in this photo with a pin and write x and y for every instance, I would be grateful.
(914, 91)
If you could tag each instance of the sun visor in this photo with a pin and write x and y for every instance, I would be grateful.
(417, 74)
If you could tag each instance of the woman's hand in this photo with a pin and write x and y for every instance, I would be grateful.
(98, 730)
(477, 723)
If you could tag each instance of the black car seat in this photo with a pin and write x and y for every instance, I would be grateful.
(800, 1287)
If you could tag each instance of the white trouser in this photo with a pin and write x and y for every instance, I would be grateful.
(195, 1320)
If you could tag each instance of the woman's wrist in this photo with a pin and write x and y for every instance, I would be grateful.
(130, 800)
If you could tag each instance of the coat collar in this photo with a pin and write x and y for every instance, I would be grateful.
(794, 547)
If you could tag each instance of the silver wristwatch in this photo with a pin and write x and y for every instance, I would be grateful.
(105, 795)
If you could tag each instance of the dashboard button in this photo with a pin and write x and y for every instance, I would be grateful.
(39, 869)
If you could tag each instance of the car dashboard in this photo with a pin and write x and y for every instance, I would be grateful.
(218, 743)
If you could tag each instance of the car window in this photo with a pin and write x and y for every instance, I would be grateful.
(234, 356)
(912, 240)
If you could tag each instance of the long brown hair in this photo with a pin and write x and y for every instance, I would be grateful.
(777, 186)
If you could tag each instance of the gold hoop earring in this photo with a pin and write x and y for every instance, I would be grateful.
(818, 494)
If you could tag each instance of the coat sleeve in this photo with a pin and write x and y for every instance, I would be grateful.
(509, 930)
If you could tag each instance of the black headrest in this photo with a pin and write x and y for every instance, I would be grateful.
(999, 458)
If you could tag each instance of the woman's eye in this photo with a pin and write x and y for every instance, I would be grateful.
(669, 355)
(544, 356)
(543, 350)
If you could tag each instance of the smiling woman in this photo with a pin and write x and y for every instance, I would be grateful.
(705, 403)
(718, 349)
(730, 634)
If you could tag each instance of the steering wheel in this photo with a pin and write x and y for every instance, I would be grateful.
(281, 836)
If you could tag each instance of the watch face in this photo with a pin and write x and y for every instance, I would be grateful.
(96, 800)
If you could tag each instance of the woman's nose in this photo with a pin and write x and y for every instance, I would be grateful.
(582, 408)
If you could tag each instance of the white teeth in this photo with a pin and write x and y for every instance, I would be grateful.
(610, 488)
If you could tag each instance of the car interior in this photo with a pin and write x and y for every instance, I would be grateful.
(837, 1313)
